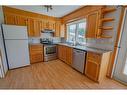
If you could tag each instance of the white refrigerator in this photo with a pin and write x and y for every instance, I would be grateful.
(3, 61)
(16, 45)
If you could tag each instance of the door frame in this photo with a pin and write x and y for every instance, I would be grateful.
(117, 54)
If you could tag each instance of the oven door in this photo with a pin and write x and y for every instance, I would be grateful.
(50, 50)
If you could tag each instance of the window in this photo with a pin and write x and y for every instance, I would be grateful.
(71, 32)
(76, 32)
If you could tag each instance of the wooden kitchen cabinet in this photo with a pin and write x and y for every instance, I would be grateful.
(96, 65)
(36, 53)
(22, 21)
(30, 27)
(10, 19)
(57, 28)
(65, 54)
(69, 52)
(92, 25)
(62, 52)
(37, 28)
(34, 28)
(51, 25)
(35, 22)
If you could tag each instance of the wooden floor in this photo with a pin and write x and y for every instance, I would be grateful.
(52, 75)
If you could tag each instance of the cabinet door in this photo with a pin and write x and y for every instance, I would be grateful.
(37, 28)
(45, 24)
(92, 69)
(92, 24)
(64, 53)
(69, 55)
(51, 25)
(41, 25)
(21, 20)
(10, 19)
(60, 52)
(57, 29)
(36, 57)
(30, 27)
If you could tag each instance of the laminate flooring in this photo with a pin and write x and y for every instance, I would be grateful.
(53, 75)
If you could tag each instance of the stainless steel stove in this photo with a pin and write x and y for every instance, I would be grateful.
(50, 50)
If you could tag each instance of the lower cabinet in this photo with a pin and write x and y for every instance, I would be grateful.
(65, 54)
(69, 53)
(96, 65)
(36, 53)
(92, 69)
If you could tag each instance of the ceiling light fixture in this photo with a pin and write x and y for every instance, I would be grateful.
(48, 7)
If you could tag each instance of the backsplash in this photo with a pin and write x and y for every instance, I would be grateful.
(44, 35)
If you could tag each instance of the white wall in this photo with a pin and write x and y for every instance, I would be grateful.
(1, 15)
(104, 43)
(1, 42)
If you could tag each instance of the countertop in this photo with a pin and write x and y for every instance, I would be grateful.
(86, 48)
(35, 44)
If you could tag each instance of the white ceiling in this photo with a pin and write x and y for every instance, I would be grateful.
(57, 11)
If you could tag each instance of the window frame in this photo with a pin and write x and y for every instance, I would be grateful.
(76, 30)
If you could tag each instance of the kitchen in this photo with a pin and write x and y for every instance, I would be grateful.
(78, 42)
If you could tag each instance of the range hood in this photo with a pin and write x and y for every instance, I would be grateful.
(47, 31)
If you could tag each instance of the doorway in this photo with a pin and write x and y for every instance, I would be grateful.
(120, 71)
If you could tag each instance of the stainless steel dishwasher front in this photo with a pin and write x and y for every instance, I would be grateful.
(79, 57)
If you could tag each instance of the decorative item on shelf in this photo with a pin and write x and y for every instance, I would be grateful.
(48, 7)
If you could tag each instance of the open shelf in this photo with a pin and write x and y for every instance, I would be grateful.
(107, 10)
(107, 19)
(106, 28)
(106, 36)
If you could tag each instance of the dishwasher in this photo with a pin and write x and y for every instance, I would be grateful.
(78, 62)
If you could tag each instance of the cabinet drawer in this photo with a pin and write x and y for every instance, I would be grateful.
(36, 52)
(38, 57)
(94, 57)
(36, 47)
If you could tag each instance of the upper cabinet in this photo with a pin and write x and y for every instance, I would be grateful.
(92, 24)
(97, 18)
(37, 28)
(34, 22)
(10, 19)
(20, 20)
(30, 27)
(57, 28)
